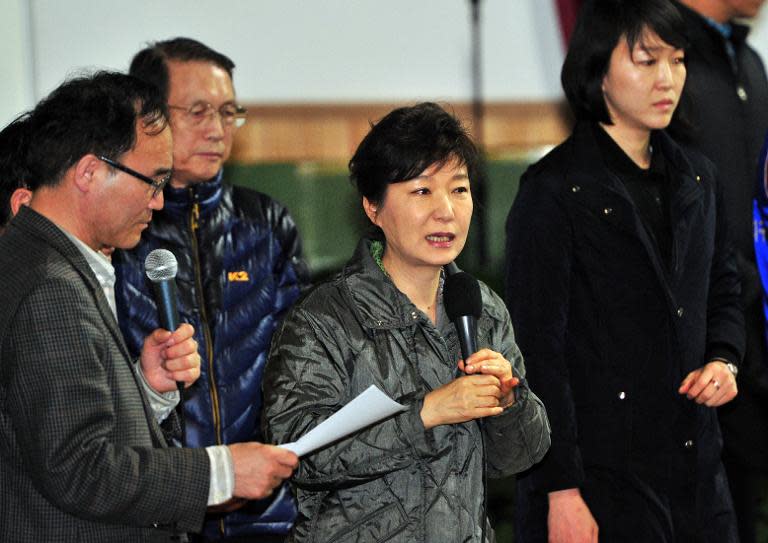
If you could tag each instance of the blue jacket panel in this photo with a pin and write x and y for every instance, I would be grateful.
(240, 268)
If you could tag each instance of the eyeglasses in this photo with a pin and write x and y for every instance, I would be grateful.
(157, 184)
(230, 114)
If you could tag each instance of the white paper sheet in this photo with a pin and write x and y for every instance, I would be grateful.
(370, 406)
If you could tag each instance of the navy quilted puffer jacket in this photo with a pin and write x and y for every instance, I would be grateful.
(240, 268)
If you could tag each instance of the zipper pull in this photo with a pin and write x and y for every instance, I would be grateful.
(194, 220)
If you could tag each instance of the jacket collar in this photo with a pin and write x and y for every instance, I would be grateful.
(585, 169)
(586, 161)
(703, 35)
(207, 194)
(44, 229)
(379, 305)
(376, 299)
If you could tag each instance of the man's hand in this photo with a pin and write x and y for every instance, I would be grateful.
(569, 519)
(711, 385)
(170, 357)
(259, 468)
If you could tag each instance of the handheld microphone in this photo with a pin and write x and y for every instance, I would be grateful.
(161, 267)
(463, 304)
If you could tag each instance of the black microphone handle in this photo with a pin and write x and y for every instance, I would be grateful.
(166, 296)
(167, 312)
(466, 327)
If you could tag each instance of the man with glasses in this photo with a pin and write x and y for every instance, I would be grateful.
(82, 457)
(240, 269)
(157, 184)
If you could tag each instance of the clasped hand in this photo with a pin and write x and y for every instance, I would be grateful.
(486, 390)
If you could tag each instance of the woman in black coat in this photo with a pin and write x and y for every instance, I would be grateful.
(624, 295)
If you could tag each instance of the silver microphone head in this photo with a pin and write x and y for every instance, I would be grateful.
(160, 265)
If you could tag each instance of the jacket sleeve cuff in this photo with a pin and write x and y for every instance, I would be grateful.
(560, 469)
(724, 353)
(501, 423)
(421, 439)
(222, 481)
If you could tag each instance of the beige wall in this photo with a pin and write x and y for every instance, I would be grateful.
(287, 133)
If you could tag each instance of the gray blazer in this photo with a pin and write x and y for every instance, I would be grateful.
(81, 456)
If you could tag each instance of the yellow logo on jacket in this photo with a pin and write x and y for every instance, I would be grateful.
(238, 276)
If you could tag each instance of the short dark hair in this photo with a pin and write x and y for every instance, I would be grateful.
(599, 27)
(151, 63)
(13, 171)
(95, 114)
(406, 142)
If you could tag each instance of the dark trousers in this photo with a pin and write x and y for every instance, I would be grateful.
(629, 511)
(744, 424)
(745, 455)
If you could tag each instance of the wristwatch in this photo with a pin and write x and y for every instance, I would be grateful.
(733, 368)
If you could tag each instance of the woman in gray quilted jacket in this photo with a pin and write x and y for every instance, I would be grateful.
(418, 476)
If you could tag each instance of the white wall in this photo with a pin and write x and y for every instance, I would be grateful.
(16, 89)
(297, 50)
(307, 50)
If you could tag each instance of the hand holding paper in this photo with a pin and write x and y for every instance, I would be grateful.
(371, 406)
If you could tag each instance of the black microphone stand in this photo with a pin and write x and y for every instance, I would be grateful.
(479, 191)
